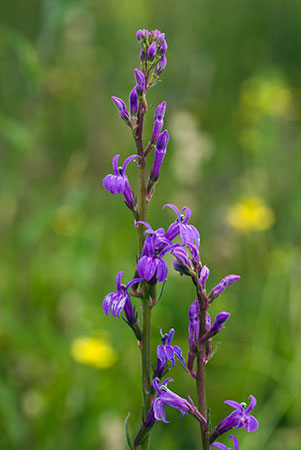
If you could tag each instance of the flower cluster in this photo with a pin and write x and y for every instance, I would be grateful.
(182, 241)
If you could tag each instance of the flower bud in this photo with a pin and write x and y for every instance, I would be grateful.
(204, 276)
(161, 65)
(139, 35)
(163, 47)
(120, 105)
(140, 81)
(134, 102)
(151, 52)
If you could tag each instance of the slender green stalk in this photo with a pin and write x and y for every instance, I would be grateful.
(200, 380)
(146, 306)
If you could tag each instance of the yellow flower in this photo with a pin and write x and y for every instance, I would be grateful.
(95, 352)
(250, 214)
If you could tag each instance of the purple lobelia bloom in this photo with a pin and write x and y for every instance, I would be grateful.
(151, 265)
(120, 105)
(119, 301)
(188, 233)
(224, 447)
(119, 183)
(167, 352)
(167, 397)
(222, 285)
(160, 152)
(240, 417)
(158, 123)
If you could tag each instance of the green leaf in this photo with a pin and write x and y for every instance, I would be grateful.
(126, 430)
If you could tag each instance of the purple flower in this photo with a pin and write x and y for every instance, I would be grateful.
(156, 245)
(140, 81)
(151, 51)
(188, 233)
(119, 183)
(167, 397)
(224, 447)
(167, 352)
(158, 123)
(161, 65)
(222, 285)
(240, 417)
(120, 300)
(120, 105)
(134, 102)
(160, 152)
(151, 265)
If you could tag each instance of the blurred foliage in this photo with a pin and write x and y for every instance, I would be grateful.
(233, 89)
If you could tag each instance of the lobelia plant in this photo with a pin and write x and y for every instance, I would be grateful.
(151, 270)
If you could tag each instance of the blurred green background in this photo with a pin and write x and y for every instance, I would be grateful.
(70, 375)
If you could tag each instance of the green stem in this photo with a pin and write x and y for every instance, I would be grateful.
(146, 305)
(200, 377)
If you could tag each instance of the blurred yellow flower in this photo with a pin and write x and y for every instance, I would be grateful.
(250, 214)
(95, 352)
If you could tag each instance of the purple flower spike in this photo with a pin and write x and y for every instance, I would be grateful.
(220, 287)
(120, 105)
(204, 276)
(167, 397)
(167, 352)
(119, 183)
(224, 447)
(161, 65)
(160, 152)
(134, 102)
(158, 123)
(151, 52)
(140, 81)
(115, 302)
(189, 234)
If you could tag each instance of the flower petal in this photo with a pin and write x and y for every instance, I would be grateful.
(252, 423)
(162, 270)
(170, 205)
(118, 281)
(234, 404)
(106, 304)
(235, 442)
(219, 445)
(115, 164)
(128, 160)
(178, 353)
(252, 404)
